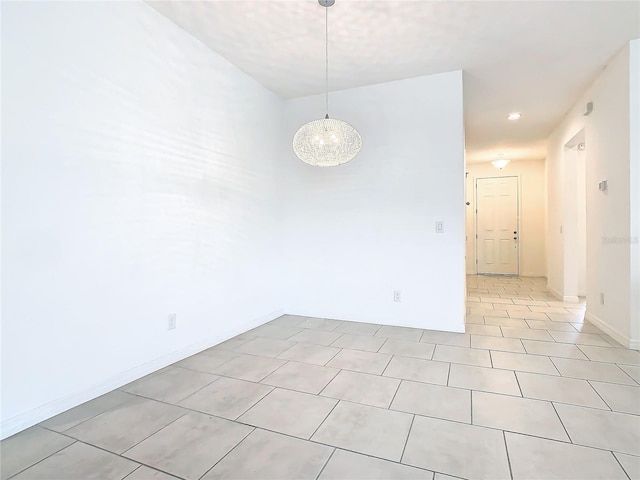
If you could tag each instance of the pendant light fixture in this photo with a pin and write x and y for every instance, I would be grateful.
(326, 142)
(501, 162)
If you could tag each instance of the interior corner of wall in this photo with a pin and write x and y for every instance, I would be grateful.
(617, 335)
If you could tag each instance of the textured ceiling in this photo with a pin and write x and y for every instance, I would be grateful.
(531, 57)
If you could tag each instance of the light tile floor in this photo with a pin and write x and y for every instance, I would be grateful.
(530, 391)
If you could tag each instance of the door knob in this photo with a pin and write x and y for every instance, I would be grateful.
(515, 233)
(515, 238)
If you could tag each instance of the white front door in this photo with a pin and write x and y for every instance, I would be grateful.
(497, 225)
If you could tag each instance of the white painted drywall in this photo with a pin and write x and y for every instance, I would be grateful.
(532, 186)
(570, 223)
(138, 180)
(555, 218)
(611, 132)
(581, 222)
(356, 233)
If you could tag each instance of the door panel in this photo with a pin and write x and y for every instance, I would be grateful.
(489, 249)
(505, 250)
(497, 225)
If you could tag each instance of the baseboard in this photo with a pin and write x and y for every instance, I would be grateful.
(633, 343)
(25, 420)
(457, 325)
(561, 297)
(533, 275)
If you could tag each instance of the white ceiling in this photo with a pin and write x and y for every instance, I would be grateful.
(533, 57)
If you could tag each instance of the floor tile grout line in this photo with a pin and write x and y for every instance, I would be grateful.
(286, 362)
(319, 394)
(326, 463)
(394, 394)
(120, 455)
(528, 397)
(439, 361)
(131, 473)
(562, 423)
(250, 406)
(332, 343)
(226, 454)
(506, 449)
(48, 456)
(406, 441)
(259, 382)
(325, 418)
(515, 374)
(93, 416)
(156, 431)
(588, 379)
(387, 366)
(600, 396)
(142, 464)
(287, 349)
(621, 466)
(196, 391)
(436, 418)
(636, 382)
(384, 343)
(555, 366)
(337, 353)
(316, 442)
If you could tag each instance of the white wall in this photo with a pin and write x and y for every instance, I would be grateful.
(581, 222)
(611, 135)
(532, 186)
(138, 180)
(356, 233)
(570, 225)
(555, 217)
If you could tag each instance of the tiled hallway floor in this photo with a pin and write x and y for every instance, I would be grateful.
(530, 391)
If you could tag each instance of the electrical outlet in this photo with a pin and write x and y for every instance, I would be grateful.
(397, 296)
(602, 298)
(439, 226)
(171, 324)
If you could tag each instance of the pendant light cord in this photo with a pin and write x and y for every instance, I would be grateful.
(326, 56)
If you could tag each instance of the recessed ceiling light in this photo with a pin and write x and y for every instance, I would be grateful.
(513, 116)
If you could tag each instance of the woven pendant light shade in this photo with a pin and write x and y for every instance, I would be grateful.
(326, 143)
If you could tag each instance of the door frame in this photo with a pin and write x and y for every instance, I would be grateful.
(475, 223)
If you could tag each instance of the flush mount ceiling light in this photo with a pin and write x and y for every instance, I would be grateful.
(326, 142)
(501, 162)
(513, 116)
